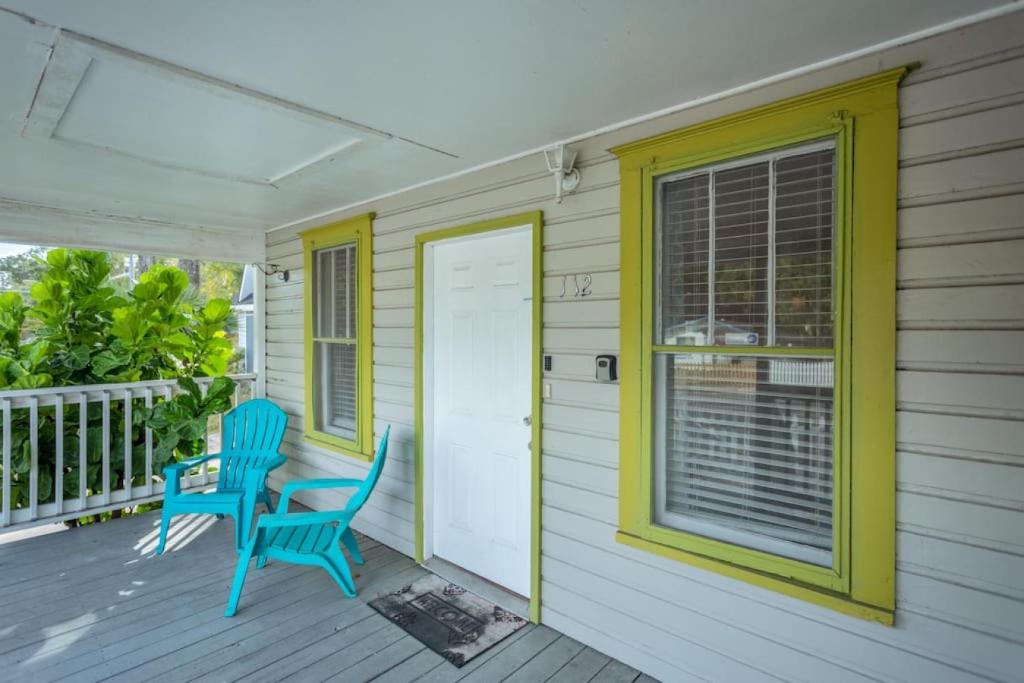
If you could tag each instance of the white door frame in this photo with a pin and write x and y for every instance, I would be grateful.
(424, 384)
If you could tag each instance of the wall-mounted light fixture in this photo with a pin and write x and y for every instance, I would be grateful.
(560, 163)
(274, 269)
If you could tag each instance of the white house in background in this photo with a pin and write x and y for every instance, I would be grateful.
(245, 312)
(834, 492)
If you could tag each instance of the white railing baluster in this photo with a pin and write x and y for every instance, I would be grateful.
(149, 447)
(127, 445)
(106, 447)
(115, 492)
(186, 478)
(7, 463)
(58, 469)
(204, 468)
(33, 474)
(83, 451)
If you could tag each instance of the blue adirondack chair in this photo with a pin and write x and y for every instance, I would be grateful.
(311, 538)
(251, 438)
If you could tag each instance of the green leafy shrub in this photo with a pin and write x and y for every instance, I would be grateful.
(79, 330)
(179, 425)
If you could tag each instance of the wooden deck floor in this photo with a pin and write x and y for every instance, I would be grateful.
(95, 604)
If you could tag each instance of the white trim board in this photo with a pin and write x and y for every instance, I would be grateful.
(37, 224)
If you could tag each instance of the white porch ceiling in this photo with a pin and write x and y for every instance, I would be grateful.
(248, 115)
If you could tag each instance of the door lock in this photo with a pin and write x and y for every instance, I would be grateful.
(527, 421)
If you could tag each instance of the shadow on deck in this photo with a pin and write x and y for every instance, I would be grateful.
(95, 604)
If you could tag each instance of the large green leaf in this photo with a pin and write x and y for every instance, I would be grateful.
(216, 311)
(42, 292)
(214, 365)
(58, 258)
(105, 362)
(39, 380)
(76, 358)
(12, 319)
(35, 353)
(5, 363)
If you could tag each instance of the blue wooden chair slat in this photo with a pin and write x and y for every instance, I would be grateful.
(252, 434)
(311, 538)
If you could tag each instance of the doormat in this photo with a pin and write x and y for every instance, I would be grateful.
(451, 621)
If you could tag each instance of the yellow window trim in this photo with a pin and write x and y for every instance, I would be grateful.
(360, 231)
(862, 117)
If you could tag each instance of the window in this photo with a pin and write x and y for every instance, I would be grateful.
(744, 441)
(758, 346)
(338, 342)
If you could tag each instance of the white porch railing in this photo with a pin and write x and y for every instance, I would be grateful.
(118, 489)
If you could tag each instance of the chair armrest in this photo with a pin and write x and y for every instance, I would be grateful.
(281, 519)
(299, 484)
(172, 473)
(181, 465)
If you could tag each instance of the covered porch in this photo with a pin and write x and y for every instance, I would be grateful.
(769, 400)
(96, 604)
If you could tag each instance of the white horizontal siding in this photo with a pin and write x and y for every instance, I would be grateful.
(960, 393)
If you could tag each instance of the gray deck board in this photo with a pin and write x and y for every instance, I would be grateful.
(410, 669)
(582, 668)
(95, 604)
(616, 672)
(381, 661)
(550, 659)
(508, 661)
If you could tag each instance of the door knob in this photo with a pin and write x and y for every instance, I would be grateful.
(527, 421)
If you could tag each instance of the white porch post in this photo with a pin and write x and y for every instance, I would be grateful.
(259, 336)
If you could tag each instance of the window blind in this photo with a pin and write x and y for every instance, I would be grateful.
(740, 304)
(685, 206)
(744, 443)
(335, 345)
(803, 249)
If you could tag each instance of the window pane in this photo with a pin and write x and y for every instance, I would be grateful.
(323, 266)
(803, 248)
(683, 253)
(345, 291)
(335, 300)
(741, 255)
(743, 451)
(335, 391)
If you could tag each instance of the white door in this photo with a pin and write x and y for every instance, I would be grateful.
(481, 334)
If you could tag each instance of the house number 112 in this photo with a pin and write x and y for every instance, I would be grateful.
(576, 278)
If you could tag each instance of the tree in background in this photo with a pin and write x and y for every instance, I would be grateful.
(191, 268)
(19, 272)
(209, 279)
(144, 262)
(220, 279)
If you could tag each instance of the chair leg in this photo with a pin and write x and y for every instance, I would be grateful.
(240, 571)
(349, 539)
(265, 497)
(220, 516)
(261, 561)
(246, 511)
(240, 536)
(165, 523)
(337, 567)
